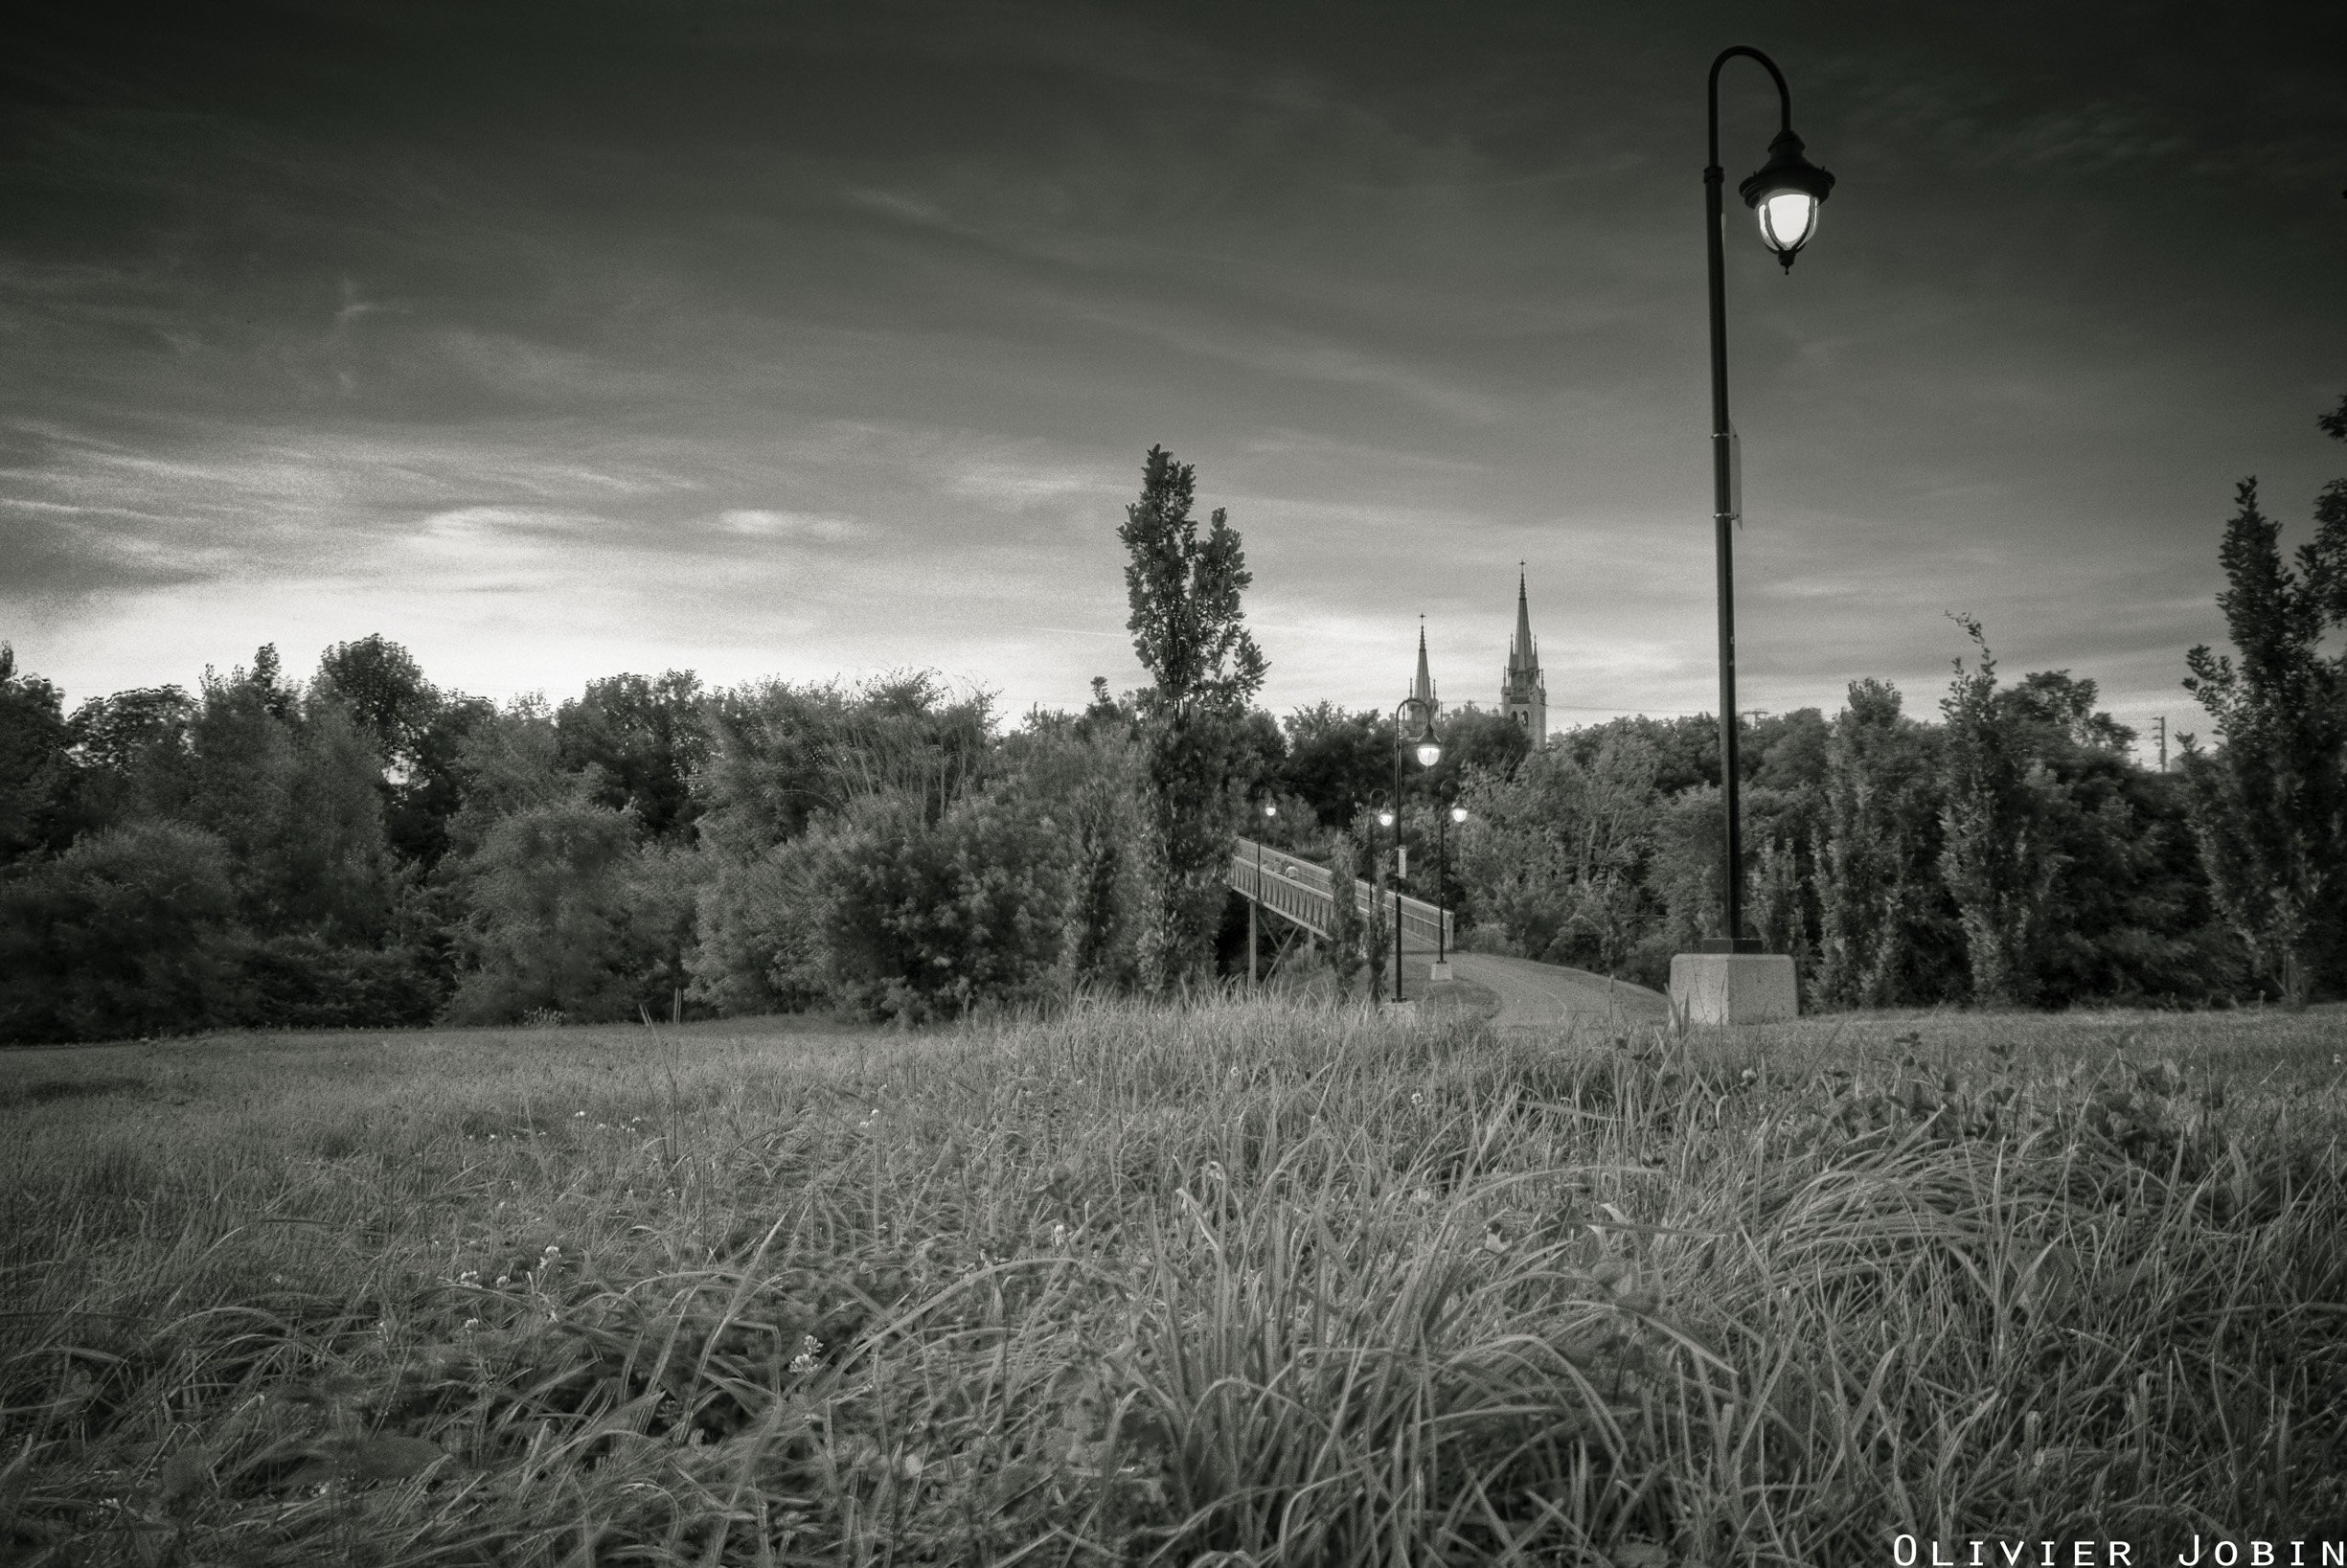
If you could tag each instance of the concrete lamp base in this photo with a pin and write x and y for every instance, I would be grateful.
(1733, 987)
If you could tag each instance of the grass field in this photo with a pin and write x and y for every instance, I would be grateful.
(1251, 1283)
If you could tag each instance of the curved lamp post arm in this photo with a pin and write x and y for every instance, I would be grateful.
(1785, 95)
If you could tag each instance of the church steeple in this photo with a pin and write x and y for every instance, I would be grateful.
(1422, 689)
(1523, 697)
(1522, 653)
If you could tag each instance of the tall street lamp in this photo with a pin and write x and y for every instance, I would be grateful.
(1442, 879)
(1429, 752)
(1387, 817)
(1785, 195)
(1731, 980)
(1271, 812)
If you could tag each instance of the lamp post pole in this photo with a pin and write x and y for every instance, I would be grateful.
(1429, 752)
(1787, 176)
(1405, 702)
(1270, 812)
(1442, 877)
(1384, 815)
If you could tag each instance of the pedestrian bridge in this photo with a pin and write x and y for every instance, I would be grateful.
(1305, 892)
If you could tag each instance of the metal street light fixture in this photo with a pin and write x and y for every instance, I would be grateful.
(1385, 819)
(1270, 812)
(1785, 195)
(1442, 877)
(1429, 752)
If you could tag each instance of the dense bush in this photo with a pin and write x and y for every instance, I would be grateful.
(129, 932)
(571, 914)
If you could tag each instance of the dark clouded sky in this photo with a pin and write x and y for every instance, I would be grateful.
(557, 340)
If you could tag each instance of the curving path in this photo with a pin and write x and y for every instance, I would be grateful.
(1544, 995)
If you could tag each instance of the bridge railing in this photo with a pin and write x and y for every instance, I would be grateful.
(1305, 892)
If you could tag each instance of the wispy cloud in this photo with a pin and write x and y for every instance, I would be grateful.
(789, 525)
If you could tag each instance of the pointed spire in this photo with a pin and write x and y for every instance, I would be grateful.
(1422, 689)
(1521, 653)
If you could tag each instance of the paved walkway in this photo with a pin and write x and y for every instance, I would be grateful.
(1544, 995)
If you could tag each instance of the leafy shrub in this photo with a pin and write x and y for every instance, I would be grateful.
(302, 981)
(927, 923)
(126, 933)
(569, 913)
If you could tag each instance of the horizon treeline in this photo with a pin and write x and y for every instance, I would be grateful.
(364, 849)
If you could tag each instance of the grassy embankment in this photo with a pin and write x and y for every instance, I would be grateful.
(1301, 1284)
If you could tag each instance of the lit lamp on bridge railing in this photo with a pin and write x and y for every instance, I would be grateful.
(1429, 752)
(1442, 887)
(1272, 813)
(1385, 819)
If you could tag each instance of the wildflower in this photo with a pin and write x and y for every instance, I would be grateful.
(805, 1361)
(1422, 1195)
(553, 1251)
(1417, 1100)
(492, 1137)
(1750, 1076)
(504, 1279)
(1494, 1241)
(577, 1116)
(471, 1276)
(1058, 1235)
(472, 1323)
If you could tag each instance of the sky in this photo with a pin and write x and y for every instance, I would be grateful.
(552, 341)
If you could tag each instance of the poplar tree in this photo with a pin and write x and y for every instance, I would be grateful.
(1190, 636)
(2269, 806)
(1346, 939)
(1994, 854)
(1875, 789)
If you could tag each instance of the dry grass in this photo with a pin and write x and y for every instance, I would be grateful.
(1256, 1281)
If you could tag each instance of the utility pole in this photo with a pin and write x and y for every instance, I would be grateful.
(2163, 742)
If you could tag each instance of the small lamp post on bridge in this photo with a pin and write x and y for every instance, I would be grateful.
(1442, 887)
(1272, 813)
(1387, 817)
(1429, 752)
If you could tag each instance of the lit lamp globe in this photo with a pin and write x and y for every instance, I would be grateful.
(1458, 813)
(1429, 749)
(1785, 195)
(1385, 816)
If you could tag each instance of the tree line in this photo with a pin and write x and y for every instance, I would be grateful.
(364, 847)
